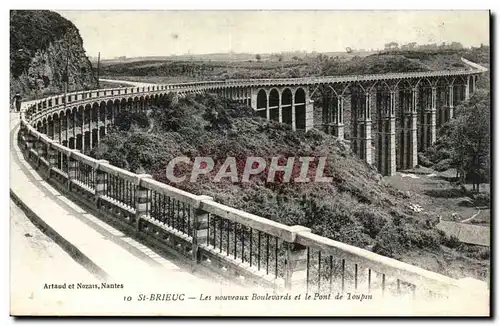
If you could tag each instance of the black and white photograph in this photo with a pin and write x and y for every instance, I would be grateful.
(250, 163)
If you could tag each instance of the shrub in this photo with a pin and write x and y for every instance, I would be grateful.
(424, 161)
(482, 199)
(475, 251)
(126, 119)
(443, 165)
(450, 241)
(371, 221)
(170, 117)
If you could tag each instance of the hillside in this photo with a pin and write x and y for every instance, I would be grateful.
(357, 207)
(42, 43)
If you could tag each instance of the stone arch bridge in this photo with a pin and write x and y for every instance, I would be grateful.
(243, 247)
(387, 118)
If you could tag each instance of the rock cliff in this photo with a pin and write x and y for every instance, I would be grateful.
(43, 46)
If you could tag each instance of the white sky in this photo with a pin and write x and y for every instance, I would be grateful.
(155, 33)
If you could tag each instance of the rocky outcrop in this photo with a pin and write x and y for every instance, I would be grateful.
(43, 46)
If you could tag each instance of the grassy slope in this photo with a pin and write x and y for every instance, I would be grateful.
(358, 207)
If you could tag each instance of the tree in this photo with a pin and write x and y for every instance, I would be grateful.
(258, 57)
(391, 46)
(470, 139)
(456, 45)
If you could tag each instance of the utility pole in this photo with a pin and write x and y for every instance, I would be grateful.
(98, 68)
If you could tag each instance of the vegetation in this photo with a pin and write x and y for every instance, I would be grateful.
(31, 31)
(464, 143)
(46, 55)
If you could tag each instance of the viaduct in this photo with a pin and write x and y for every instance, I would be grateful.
(386, 117)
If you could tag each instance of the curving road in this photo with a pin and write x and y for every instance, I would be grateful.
(127, 82)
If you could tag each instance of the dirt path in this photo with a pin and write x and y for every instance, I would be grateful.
(472, 217)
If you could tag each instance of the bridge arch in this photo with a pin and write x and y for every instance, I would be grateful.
(55, 124)
(136, 104)
(274, 103)
(123, 105)
(459, 89)
(44, 125)
(300, 108)
(130, 104)
(95, 111)
(262, 103)
(102, 112)
(69, 121)
(286, 106)
(442, 100)
(328, 99)
(71, 142)
(80, 118)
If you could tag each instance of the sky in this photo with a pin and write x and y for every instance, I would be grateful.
(161, 33)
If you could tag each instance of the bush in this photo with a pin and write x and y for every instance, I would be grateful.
(424, 238)
(475, 251)
(424, 161)
(482, 199)
(451, 241)
(170, 117)
(371, 221)
(125, 119)
(443, 165)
